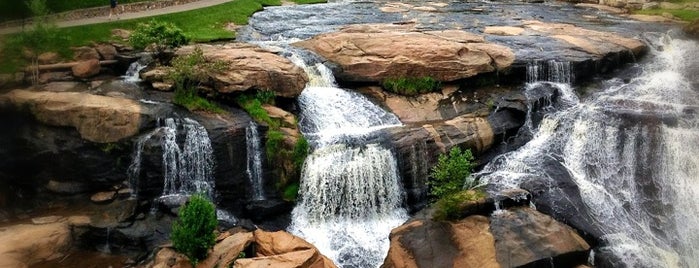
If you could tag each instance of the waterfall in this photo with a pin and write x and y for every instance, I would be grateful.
(132, 74)
(254, 161)
(630, 150)
(551, 71)
(350, 193)
(188, 168)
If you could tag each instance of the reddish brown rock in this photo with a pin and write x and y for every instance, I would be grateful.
(465, 243)
(103, 197)
(85, 53)
(375, 52)
(524, 235)
(282, 249)
(593, 42)
(86, 69)
(251, 67)
(48, 58)
(106, 51)
(96, 118)
(26, 244)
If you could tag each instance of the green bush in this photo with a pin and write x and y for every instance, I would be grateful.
(291, 192)
(452, 173)
(193, 233)
(411, 86)
(159, 33)
(253, 106)
(451, 207)
(300, 153)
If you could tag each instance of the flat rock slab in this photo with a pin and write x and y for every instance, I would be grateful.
(375, 52)
(252, 67)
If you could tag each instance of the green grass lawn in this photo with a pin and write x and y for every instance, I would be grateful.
(201, 25)
(17, 9)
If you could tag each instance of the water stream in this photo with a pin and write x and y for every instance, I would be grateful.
(187, 158)
(621, 163)
(350, 193)
(254, 161)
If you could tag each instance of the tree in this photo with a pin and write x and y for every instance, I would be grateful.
(193, 233)
(452, 173)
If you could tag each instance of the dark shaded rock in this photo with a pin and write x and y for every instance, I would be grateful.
(260, 210)
(66, 187)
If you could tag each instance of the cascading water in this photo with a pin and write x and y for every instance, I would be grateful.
(133, 73)
(622, 163)
(552, 71)
(254, 162)
(350, 194)
(186, 170)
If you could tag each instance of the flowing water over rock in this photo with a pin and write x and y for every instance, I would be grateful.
(133, 73)
(351, 195)
(621, 164)
(254, 163)
(187, 158)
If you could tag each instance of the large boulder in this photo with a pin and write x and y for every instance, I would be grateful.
(425, 243)
(272, 249)
(27, 244)
(251, 67)
(282, 249)
(508, 238)
(524, 235)
(86, 68)
(97, 118)
(375, 52)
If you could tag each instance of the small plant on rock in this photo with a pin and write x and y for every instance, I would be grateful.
(188, 72)
(193, 233)
(411, 86)
(451, 184)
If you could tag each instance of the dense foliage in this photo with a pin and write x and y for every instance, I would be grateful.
(187, 73)
(411, 86)
(452, 173)
(452, 185)
(193, 233)
(159, 34)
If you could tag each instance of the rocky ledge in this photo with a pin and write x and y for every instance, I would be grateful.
(375, 52)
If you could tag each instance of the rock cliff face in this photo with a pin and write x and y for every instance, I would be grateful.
(375, 52)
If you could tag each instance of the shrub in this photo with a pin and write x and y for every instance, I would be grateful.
(193, 233)
(162, 35)
(452, 173)
(300, 153)
(450, 207)
(253, 106)
(411, 86)
(188, 72)
(291, 192)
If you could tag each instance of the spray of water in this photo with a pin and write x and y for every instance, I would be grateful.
(631, 151)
